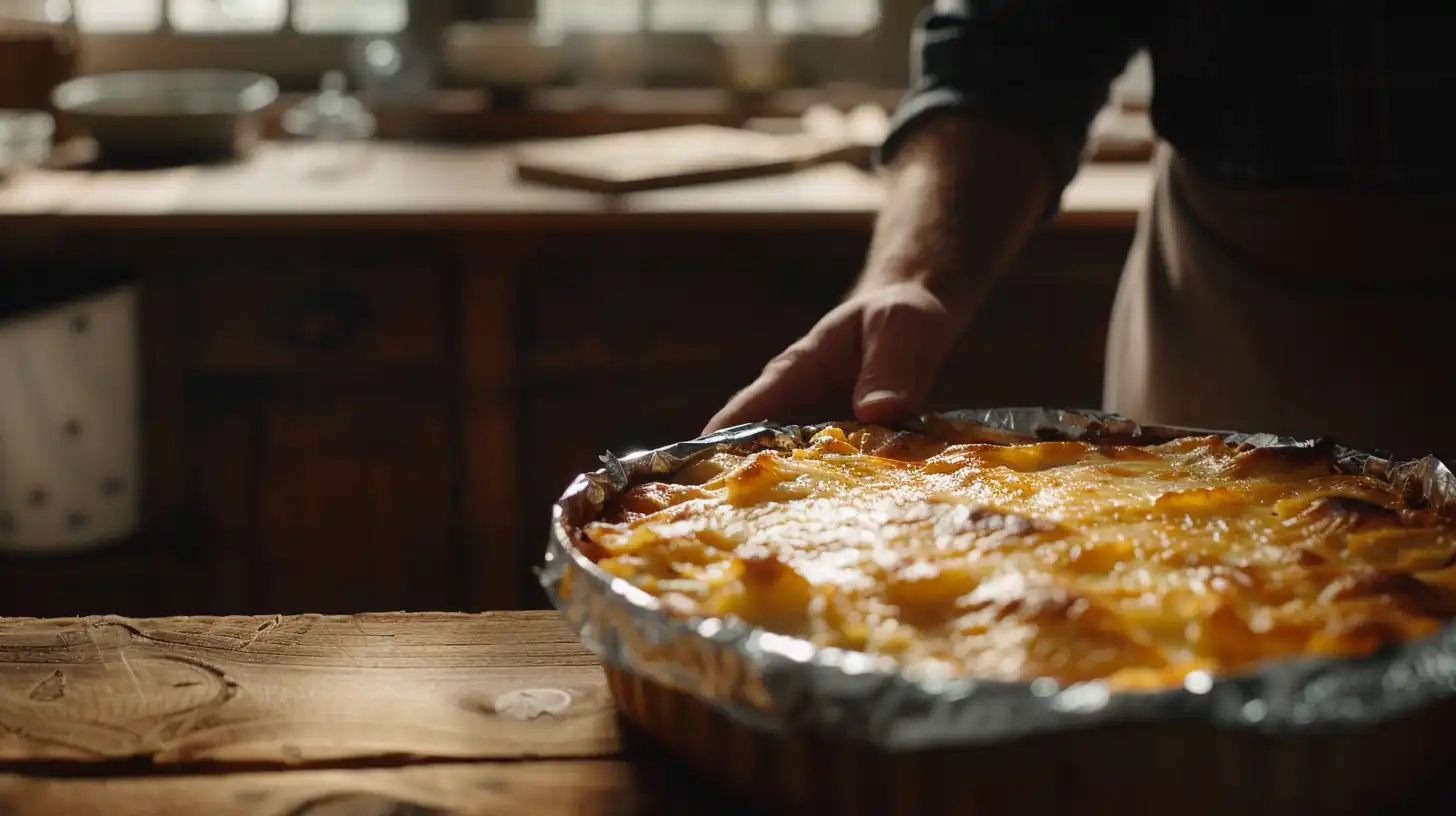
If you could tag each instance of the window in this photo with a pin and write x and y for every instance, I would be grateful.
(390, 16)
(788, 16)
(242, 16)
(296, 41)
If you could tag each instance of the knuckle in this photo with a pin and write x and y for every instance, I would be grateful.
(919, 315)
(804, 350)
(779, 368)
(891, 314)
(786, 358)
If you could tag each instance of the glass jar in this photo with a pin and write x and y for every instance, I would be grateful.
(332, 128)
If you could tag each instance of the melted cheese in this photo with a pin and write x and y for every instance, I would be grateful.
(1135, 565)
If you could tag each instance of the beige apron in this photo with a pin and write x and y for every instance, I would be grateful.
(1311, 313)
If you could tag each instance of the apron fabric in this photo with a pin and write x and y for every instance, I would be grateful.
(1300, 312)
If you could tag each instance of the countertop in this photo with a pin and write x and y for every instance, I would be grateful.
(431, 187)
(394, 713)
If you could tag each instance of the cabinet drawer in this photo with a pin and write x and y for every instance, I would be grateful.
(644, 304)
(298, 312)
(356, 506)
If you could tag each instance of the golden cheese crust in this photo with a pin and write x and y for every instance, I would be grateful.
(972, 552)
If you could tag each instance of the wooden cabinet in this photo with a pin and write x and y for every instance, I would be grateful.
(661, 303)
(348, 422)
(309, 457)
(356, 506)
(294, 306)
(129, 578)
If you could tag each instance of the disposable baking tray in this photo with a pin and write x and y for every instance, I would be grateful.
(824, 730)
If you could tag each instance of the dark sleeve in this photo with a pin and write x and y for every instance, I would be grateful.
(1047, 64)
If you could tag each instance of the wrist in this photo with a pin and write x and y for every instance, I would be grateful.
(961, 198)
(920, 240)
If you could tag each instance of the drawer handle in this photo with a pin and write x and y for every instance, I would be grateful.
(323, 321)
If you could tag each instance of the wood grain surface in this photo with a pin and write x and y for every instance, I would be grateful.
(285, 691)
(309, 715)
(548, 788)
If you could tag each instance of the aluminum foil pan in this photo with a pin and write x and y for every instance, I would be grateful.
(785, 685)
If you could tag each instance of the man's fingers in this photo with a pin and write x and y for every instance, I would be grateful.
(898, 363)
(885, 407)
(887, 348)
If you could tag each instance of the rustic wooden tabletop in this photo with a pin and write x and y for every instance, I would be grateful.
(370, 714)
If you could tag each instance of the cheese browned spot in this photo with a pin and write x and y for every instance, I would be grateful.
(653, 497)
(978, 553)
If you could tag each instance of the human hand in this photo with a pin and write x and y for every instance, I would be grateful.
(962, 196)
(879, 351)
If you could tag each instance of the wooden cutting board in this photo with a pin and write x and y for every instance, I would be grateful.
(1122, 137)
(670, 157)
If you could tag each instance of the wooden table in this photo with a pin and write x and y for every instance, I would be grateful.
(369, 714)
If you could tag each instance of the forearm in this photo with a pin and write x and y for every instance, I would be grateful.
(976, 159)
(991, 134)
(963, 196)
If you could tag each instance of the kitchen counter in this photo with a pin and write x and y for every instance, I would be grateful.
(419, 713)
(419, 187)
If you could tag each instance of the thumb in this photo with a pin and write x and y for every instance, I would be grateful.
(894, 376)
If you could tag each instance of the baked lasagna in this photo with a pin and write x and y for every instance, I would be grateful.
(968, 551)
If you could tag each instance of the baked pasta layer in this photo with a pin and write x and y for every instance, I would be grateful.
(972, 552)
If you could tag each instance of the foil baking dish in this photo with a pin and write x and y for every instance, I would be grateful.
(781, 691)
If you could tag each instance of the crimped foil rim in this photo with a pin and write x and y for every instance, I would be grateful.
(785, 685)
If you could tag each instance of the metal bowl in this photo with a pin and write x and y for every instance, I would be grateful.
(169, 115)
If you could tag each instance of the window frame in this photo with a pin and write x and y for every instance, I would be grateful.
(295, 58)
(673, 59)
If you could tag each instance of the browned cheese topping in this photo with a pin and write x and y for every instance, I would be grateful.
(1002, 559)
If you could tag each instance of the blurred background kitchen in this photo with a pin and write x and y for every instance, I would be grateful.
(316, 305)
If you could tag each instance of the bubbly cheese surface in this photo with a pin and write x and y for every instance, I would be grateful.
(1007, 559)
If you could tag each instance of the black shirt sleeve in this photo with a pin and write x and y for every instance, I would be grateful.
(1046, 64)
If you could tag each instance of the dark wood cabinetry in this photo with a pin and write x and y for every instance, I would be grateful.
(357, 506)
(350, 422)
(315, 466)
